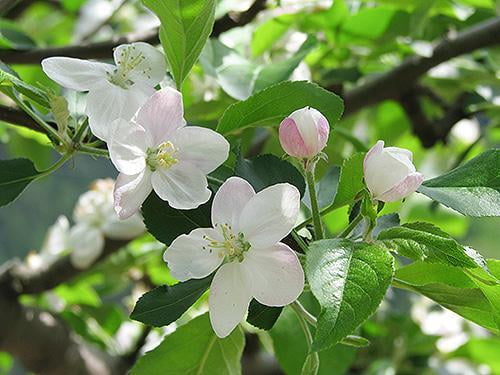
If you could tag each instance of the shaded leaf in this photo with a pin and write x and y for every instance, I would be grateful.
(15, 175)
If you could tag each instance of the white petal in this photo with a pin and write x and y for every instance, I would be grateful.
(87, 244)
(202, 147)
(130, 192)
(183, 186)
(409, 185)
(229, 298)
(189, 257)
(151, 66)
(161, 114)
(270, 215)
(230, 200)
(107, 103)
(56, 240)
(277, 278)
(403, 152)
(128, 144)
(76, 74)
(127, 229)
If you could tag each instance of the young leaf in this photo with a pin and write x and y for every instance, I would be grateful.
(472, 189)
(351, 180)
(262, 316)
(271, 105)
(15, 175)
(166, 223)
(424, 241)
(9, 79)
(194, 349)
(185, 27)
(267, 170)
(166, 304)
(349, 280)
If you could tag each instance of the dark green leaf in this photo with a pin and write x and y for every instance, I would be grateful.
(262, 316)
(185, 27)
(349, 279)
(166, 223)
(194, 349)
(15, 175)
(472, 189)
(271, 105)
(267, 170)
(166, 304)
(326, 189)
(424, 241)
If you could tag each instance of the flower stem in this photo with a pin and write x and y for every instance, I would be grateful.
(80, 131)
(316, 216)
(311, 364)
(58, 164)
(93, 151)
(351, 226)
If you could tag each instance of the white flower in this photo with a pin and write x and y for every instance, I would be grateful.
(95, 220)
(115, 91)
(389, 173)
(244, 247)
(155, 150)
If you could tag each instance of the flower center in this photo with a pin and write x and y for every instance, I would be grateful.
(161, 157)
(128, 60)
(232, 247)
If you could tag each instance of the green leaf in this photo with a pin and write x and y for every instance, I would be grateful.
(326, 189)
(424, 241)
(12, 36)
(351, 180)
(453, 288)
(8, 79)
(349, 279)
(15, 175)
(166, 304)
(194, 349)
(269, 32)
(267, 170)
(185, 27)
(262, 316)
(482, 351)
(271, 105)
(472, 189)
(166, 223)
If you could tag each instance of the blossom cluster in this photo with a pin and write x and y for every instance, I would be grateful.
(154, 149)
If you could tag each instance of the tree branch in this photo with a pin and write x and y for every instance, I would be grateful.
(104, 50)
(46, 345)
(16, 278)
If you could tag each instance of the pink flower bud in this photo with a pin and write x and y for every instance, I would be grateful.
(389, 173)
(304, 133)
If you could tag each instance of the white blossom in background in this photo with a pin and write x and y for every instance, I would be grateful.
(114, 91)
(157, 151)
(389, 173)
(243, 246)
(95, 220)
(92, 14)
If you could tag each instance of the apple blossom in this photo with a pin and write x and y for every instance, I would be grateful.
(95, 220)
(243, 246)
(156, 151)
(304, 133)
(115, 91)
(389, 173)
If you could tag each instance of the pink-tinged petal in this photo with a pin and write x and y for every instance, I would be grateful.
(270, 215)
(229, 202)
(409, 185)
(76, 74)
(130, 192)
(375, 150)
(128, 146)
(229, 298)
(323, 129)
(162, 114)
(107, 103)
(182, 185)
(87, 244)
(201, 147)
(291, 139)
(276, 275)
(189, 257)
(151, 68)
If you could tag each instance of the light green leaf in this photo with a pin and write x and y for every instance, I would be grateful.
(185, 27)
(271, 105)
(8, 79)
(15, 175)
(194, 349)
(472, 189)
(349, 279)
(269, 32)
(424, 241)
(351, 180)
